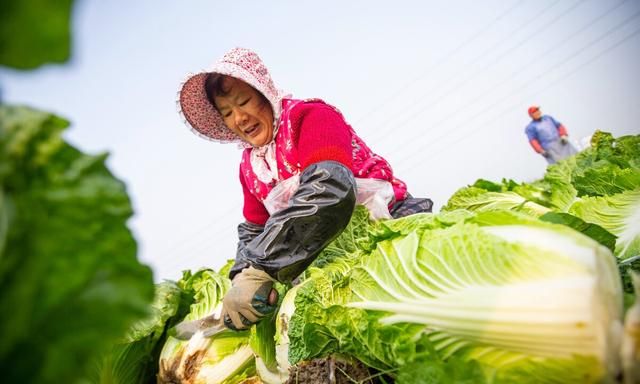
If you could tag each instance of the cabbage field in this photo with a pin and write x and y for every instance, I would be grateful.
(512, 282)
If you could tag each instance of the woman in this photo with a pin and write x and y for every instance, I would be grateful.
(302, 171)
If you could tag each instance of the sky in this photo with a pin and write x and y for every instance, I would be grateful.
(440, 89)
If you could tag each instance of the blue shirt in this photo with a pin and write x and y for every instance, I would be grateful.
(544, 130)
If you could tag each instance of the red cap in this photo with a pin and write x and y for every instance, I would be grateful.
(532, 109)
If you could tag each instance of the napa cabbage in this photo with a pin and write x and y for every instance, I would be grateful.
(619, 214)
(70, 281)
(134, 360)
(498, 294)
(226, 358)
(600, 186)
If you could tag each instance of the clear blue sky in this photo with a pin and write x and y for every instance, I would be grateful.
(438, 88)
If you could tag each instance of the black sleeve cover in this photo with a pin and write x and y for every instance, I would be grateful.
(246, 232)
(317, 213)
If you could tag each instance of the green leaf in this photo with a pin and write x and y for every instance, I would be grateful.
(479, 200)
(453, 371)
(351, 242)
(223, 358)
(135, 360)
(594, 231)
(263, 342)
(558, 177)
(34, 32)
(618, 214)
(610, 166)
(70, 283)
(498, 294)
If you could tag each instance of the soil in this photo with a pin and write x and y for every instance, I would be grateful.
(330, 371)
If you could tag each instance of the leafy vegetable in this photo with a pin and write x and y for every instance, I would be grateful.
(526, 301)
(224, 358)
(436, 371)
(631, 337)
(598, 186)
(594, 231)
(34, 32)
(135, 360)
(70, 284)
(476, 199)
(263, 343)
(619, 214)
(611, 166)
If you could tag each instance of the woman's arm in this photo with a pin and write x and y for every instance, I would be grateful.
(321, 207)
(256, 216)
(246, 233)
(317, 213)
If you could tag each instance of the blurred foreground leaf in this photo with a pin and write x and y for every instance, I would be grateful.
(70, 283)
(34, 32)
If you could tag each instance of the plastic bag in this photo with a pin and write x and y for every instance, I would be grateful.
(374, 194)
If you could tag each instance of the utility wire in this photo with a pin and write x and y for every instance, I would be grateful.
(495, 87)
(207, 250)
(432, 102)
(179, 246)
(212, 241)
(206, 244)
(419, 107)
(441, 62)
(199, 234)
(512, 107)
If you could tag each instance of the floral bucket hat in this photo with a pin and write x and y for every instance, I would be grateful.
(202, 117)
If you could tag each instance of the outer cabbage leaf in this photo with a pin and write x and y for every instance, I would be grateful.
(605, 179)
(351, 242)
(610, 166)
(619, 214)
(561, 191)
(436, 371)
(479, 200)
(70, 283)
(135, 361)
(525, 300)
(224, 358)
(34, 32)
(594, 231)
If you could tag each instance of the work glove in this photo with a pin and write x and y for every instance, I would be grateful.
(249, 299)
(564, 140)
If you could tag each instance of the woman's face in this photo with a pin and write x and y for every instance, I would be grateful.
(246, 112)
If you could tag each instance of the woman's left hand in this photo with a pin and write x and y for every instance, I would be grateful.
(250, 298)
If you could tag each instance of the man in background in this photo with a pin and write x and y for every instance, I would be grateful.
(548, 137)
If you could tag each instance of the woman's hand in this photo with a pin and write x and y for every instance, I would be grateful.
(250, 298)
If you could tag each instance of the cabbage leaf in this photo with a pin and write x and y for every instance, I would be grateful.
(519, 299)
(70, 283)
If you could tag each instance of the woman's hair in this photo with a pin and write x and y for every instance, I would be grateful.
(214, 86)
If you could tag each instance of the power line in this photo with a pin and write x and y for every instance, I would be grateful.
(436, 100)
(199, 250)
(212, 240)
(470, 64)
(560, 63)
(439, 63)
(556, 81)
(180, 245)
(198, 234)
(220, 233)
(494, 87)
